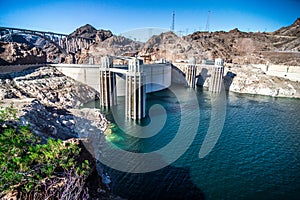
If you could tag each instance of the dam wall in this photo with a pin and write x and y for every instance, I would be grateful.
(203, 72)
(284, 71)
(158, 76)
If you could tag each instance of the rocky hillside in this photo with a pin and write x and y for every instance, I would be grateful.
(105, 44)
(279, 47)
(49, 102)
(292, 30)
(251, 80)
(115, 46)
(89, 31)
(46, 84)
(20, 53)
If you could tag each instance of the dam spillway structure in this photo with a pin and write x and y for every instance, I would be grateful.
(108, 93)
(135, 98)
(216, 80)
(191, 72)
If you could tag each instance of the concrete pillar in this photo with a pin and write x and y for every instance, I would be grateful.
(67, 45)
(191, 72)
(108, 90)
(80, 43)
(216, 80)
(74, 44)
(91, 60)
(85, 44)
(135, 99)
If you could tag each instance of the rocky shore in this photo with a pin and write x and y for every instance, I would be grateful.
(49, 102)
(252, 80)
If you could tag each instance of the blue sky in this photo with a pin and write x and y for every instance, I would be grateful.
(122, 15)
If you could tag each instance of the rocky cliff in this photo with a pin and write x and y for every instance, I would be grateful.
(251, 80)
(47, 85)
(49, 102)
(105, 44)
(20, 53)
(279, 47)
(114, 46)
(89, 31)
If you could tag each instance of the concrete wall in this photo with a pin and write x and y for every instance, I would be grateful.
(89, 76)
(285, 71)
(177, 76)
(202, 76)
(158, 77)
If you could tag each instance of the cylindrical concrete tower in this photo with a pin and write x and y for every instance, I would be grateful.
(135, 98)
(191, 73)
(216, 80)
(108, 90)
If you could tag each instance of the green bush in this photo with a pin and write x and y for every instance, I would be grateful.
(26, 163)
(8, 113)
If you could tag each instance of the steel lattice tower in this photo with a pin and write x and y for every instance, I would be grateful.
(207, 22)
(173, 21)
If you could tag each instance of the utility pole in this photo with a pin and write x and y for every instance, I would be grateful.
(207, 22)
(173, 21)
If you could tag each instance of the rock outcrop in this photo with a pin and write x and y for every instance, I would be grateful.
(20, 53)
(48, 85)
(235, 46)
(169, 46)
(114, 46)
(89, 31)
(279, 47)
(251, 80)
(49, 102)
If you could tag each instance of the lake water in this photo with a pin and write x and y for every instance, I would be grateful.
(256, 155)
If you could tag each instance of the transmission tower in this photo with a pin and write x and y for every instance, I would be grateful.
(173, 21)
(207, 22)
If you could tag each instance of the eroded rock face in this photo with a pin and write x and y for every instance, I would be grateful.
(235, 46)
(252, 80)
(168, 46)
(114, 46)
(50, 121)
(89, 31)
(48, 101)
(102, 35)
(20, 53)
(49, 86)
(71, 126)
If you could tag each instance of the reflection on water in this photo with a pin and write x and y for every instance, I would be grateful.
(257, 155)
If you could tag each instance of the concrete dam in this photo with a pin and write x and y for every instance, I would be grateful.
(136, 79)
(158, 76)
